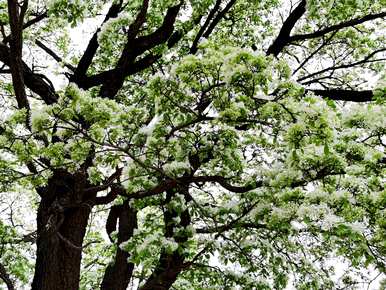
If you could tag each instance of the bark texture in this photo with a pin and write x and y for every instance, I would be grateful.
(61, 223)
(117, 276)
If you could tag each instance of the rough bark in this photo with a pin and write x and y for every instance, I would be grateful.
(61, 223)
(16, 16)
(170, 265)
(117, 276)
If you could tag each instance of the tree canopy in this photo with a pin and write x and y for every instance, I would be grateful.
(197, 144)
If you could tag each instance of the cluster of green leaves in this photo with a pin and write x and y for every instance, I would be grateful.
(304, 140)
(316, 164)
(14, 253)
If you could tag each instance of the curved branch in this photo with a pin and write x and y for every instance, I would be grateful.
(284, 38)
(5, 277)
(33, 81)
(337, 27)
(89, 53)
(117, 276)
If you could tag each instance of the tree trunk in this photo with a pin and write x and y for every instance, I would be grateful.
(61, 224)
(117, 276)
(170, 265)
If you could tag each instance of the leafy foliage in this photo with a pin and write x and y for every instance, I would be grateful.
(219, 144)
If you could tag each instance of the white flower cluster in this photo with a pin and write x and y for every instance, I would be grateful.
(176, 168)
(39, 119)
(123, 19)
(169, 244)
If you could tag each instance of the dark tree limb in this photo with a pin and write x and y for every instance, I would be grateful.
(218, 18)
(35, 82)
(139, 21)
(213, 11)
(284, 35)
(337, 27)
(345, 95)
(209, 25)
(29, 23)
(160, 188)
(112, 220)
(225, 184)
(53, 54)
(170, 265)
(112, 79)
(111, 196)
(284, 38)
(117, 276)
(5, 277)
(106, 183)
(161, 35)
(172, 183)
(35, 20)
(126, 65)
(88, 55)
(16, 16)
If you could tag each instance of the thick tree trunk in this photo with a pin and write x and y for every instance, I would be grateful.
(61, 223)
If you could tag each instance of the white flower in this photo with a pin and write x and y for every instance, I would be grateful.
(359, 227)
(330, 220)
(39, 119)
(298, 225)
(123, 19)
(170, 244)
(149, 128)
(176, 168)
(232, 204)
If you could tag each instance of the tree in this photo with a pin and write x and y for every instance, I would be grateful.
(220, 144)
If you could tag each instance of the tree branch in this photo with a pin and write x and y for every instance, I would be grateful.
(53, 54)
(336, 27)
(35, 82)
(343, 66)
(193, 48)
(5, 277)
(92, 47)
(345, 95)
(284, 35)
(159, 36)
(218, 18)
(111, 196)
(16, 15)
(139, 21)
(224, 183)
(117, 275)
(126, 64)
